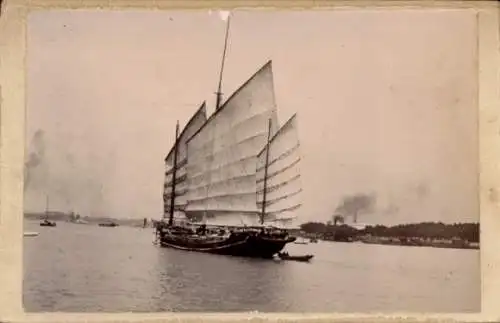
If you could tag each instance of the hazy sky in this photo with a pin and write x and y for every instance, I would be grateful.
(386, 102)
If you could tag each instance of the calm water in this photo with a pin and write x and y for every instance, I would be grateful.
(84, 268)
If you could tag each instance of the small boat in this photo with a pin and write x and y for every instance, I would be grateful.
(46, 222)
(78, 221)
(112, 224)
(30, 234)
(301, 241)
(286, 256)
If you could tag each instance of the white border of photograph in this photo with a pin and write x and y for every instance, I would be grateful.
(12, 139)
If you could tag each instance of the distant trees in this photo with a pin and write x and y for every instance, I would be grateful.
(439, 230)
(330, 231)
(433, 230)
(313, 227)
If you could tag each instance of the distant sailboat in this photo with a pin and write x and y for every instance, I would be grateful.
(46, 222)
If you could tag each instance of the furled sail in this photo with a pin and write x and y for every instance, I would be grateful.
(222, 154)
(193, 125)
(283, 185)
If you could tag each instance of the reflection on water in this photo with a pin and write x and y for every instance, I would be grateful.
(87, 268)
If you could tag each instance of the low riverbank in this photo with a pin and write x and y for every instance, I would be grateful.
(74, 218)
(420, 242)
(427, 234)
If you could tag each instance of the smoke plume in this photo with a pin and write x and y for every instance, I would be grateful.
(35, 157)
(353, 205)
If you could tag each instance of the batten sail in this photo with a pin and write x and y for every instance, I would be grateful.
(283, 185)
(222, 154)
(193, 125)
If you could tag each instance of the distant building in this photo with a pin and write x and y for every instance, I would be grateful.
(358, 226)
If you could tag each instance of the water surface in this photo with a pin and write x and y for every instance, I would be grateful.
(83, 268)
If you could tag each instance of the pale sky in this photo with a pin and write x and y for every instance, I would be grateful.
(386, 104)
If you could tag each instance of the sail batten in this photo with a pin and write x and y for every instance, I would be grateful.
(279, 171)
(229, 172)
(180, 176)
(280, 198)
(239, 185)
(180, 165)
(241, 129)
(283, 156)
(278, 176)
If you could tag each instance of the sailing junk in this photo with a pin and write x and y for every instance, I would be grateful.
(236, 167)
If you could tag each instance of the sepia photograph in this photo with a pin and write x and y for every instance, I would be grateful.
(276, 161)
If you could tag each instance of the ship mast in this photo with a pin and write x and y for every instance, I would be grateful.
(266, 166)
(174, 174)
(219, 89)
(46, 207)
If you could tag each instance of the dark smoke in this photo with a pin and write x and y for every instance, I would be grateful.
(353, 205)
(35, 157)
(391, 209)
(422, 191)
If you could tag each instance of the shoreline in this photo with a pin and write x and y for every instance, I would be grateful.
(423, 234)
(429, 244)
(85, 220)
(344, 233)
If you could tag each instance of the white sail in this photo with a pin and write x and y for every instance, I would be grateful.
(193, 125)
(283, 185)
(222, 155)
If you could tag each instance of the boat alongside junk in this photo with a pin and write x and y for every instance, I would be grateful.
(286, 256)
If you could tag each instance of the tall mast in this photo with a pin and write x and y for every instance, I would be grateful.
(263, 213)
(174, 174)
(46, 206)
(219, 89)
